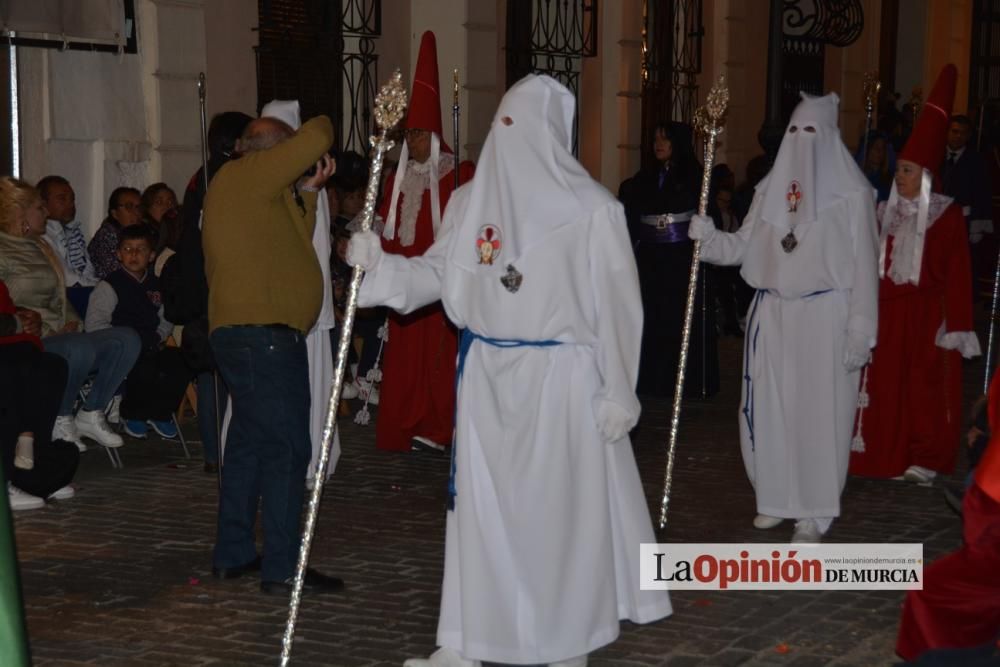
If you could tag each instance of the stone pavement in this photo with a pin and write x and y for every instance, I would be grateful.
(120, 575)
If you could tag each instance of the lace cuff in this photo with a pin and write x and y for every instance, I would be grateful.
(965, 342)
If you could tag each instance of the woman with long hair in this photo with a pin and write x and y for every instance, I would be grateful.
(659, 201)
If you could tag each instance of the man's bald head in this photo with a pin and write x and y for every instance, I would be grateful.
(264, 133)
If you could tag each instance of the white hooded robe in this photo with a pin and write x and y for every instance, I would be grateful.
(799, 399)
(542, 548)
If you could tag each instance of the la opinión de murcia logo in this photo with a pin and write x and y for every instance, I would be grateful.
(777, 566)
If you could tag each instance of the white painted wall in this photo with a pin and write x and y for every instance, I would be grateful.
(105, 120)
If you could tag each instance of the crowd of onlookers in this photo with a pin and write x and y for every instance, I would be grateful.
(87, 326)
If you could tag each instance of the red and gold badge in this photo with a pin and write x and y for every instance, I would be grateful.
(794, 196)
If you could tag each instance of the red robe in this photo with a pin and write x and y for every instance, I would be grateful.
(959, 606)
(417, 396)
(914, 415)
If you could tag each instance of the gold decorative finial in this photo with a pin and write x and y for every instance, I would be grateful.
(711, 117)
(390, 103)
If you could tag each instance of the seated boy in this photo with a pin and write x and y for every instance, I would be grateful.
(130, 297)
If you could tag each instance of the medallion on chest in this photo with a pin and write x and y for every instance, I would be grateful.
(793, 197)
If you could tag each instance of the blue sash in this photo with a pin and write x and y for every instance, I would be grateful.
(464, 344)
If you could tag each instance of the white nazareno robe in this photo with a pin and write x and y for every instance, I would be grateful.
(798, 401)
(542, 548)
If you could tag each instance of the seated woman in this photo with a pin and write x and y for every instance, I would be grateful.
(35, 466)
(158, 201)
(130, 297)
(124, 210)
(33, 277)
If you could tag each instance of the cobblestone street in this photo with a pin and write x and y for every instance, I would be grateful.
(120, 574)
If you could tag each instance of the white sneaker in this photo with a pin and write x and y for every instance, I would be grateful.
(65, 429)
(65, 493)
(113, 410)
(919, 474)
(19, 500)
(367, 391)
(765, 521)
(443, 657)
(90, 423)
(349, 390)
(806, 532)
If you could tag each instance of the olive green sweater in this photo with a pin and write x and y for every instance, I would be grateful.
(259, 257)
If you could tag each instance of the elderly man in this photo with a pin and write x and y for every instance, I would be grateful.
(534, 264)
(417, 400)
(265, 289)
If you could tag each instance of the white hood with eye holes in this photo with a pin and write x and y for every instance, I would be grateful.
(813, 167)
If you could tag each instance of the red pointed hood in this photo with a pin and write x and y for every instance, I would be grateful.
(927, 141)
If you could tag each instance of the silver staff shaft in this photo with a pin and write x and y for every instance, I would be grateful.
(709, 120)
(389, 107)
(675, 415)
(204, 130)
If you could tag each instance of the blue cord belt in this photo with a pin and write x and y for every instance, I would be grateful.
(464, 344)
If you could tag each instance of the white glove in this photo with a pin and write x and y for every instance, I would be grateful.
(702, 228)
(613, 421)
(856, 351)
(364, 250)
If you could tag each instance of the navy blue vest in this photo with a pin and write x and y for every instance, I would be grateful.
(138, 305)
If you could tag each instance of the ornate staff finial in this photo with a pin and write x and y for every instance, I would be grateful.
(390, 103)
(709, 120)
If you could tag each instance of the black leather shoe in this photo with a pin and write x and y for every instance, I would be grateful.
(315, 582)
(236, 570)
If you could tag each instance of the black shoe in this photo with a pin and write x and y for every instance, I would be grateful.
(237, 570)
(315, 582)
(211, 468)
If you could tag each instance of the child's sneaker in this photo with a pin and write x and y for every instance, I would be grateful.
(135, 428)
(164, 428)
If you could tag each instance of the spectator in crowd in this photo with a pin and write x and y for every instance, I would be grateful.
(158, 200)
(965, 178)
(65, 234)
(124, 210)
(265, 290)
(35, 280)
(185, 289)
(347, 190)
(130, 297)
(879, 165)
(35, 466)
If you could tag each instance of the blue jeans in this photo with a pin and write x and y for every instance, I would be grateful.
(108, 355)
(207, 414)
(268, 446)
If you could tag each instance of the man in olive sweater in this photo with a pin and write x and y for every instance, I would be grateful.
(265, 289)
